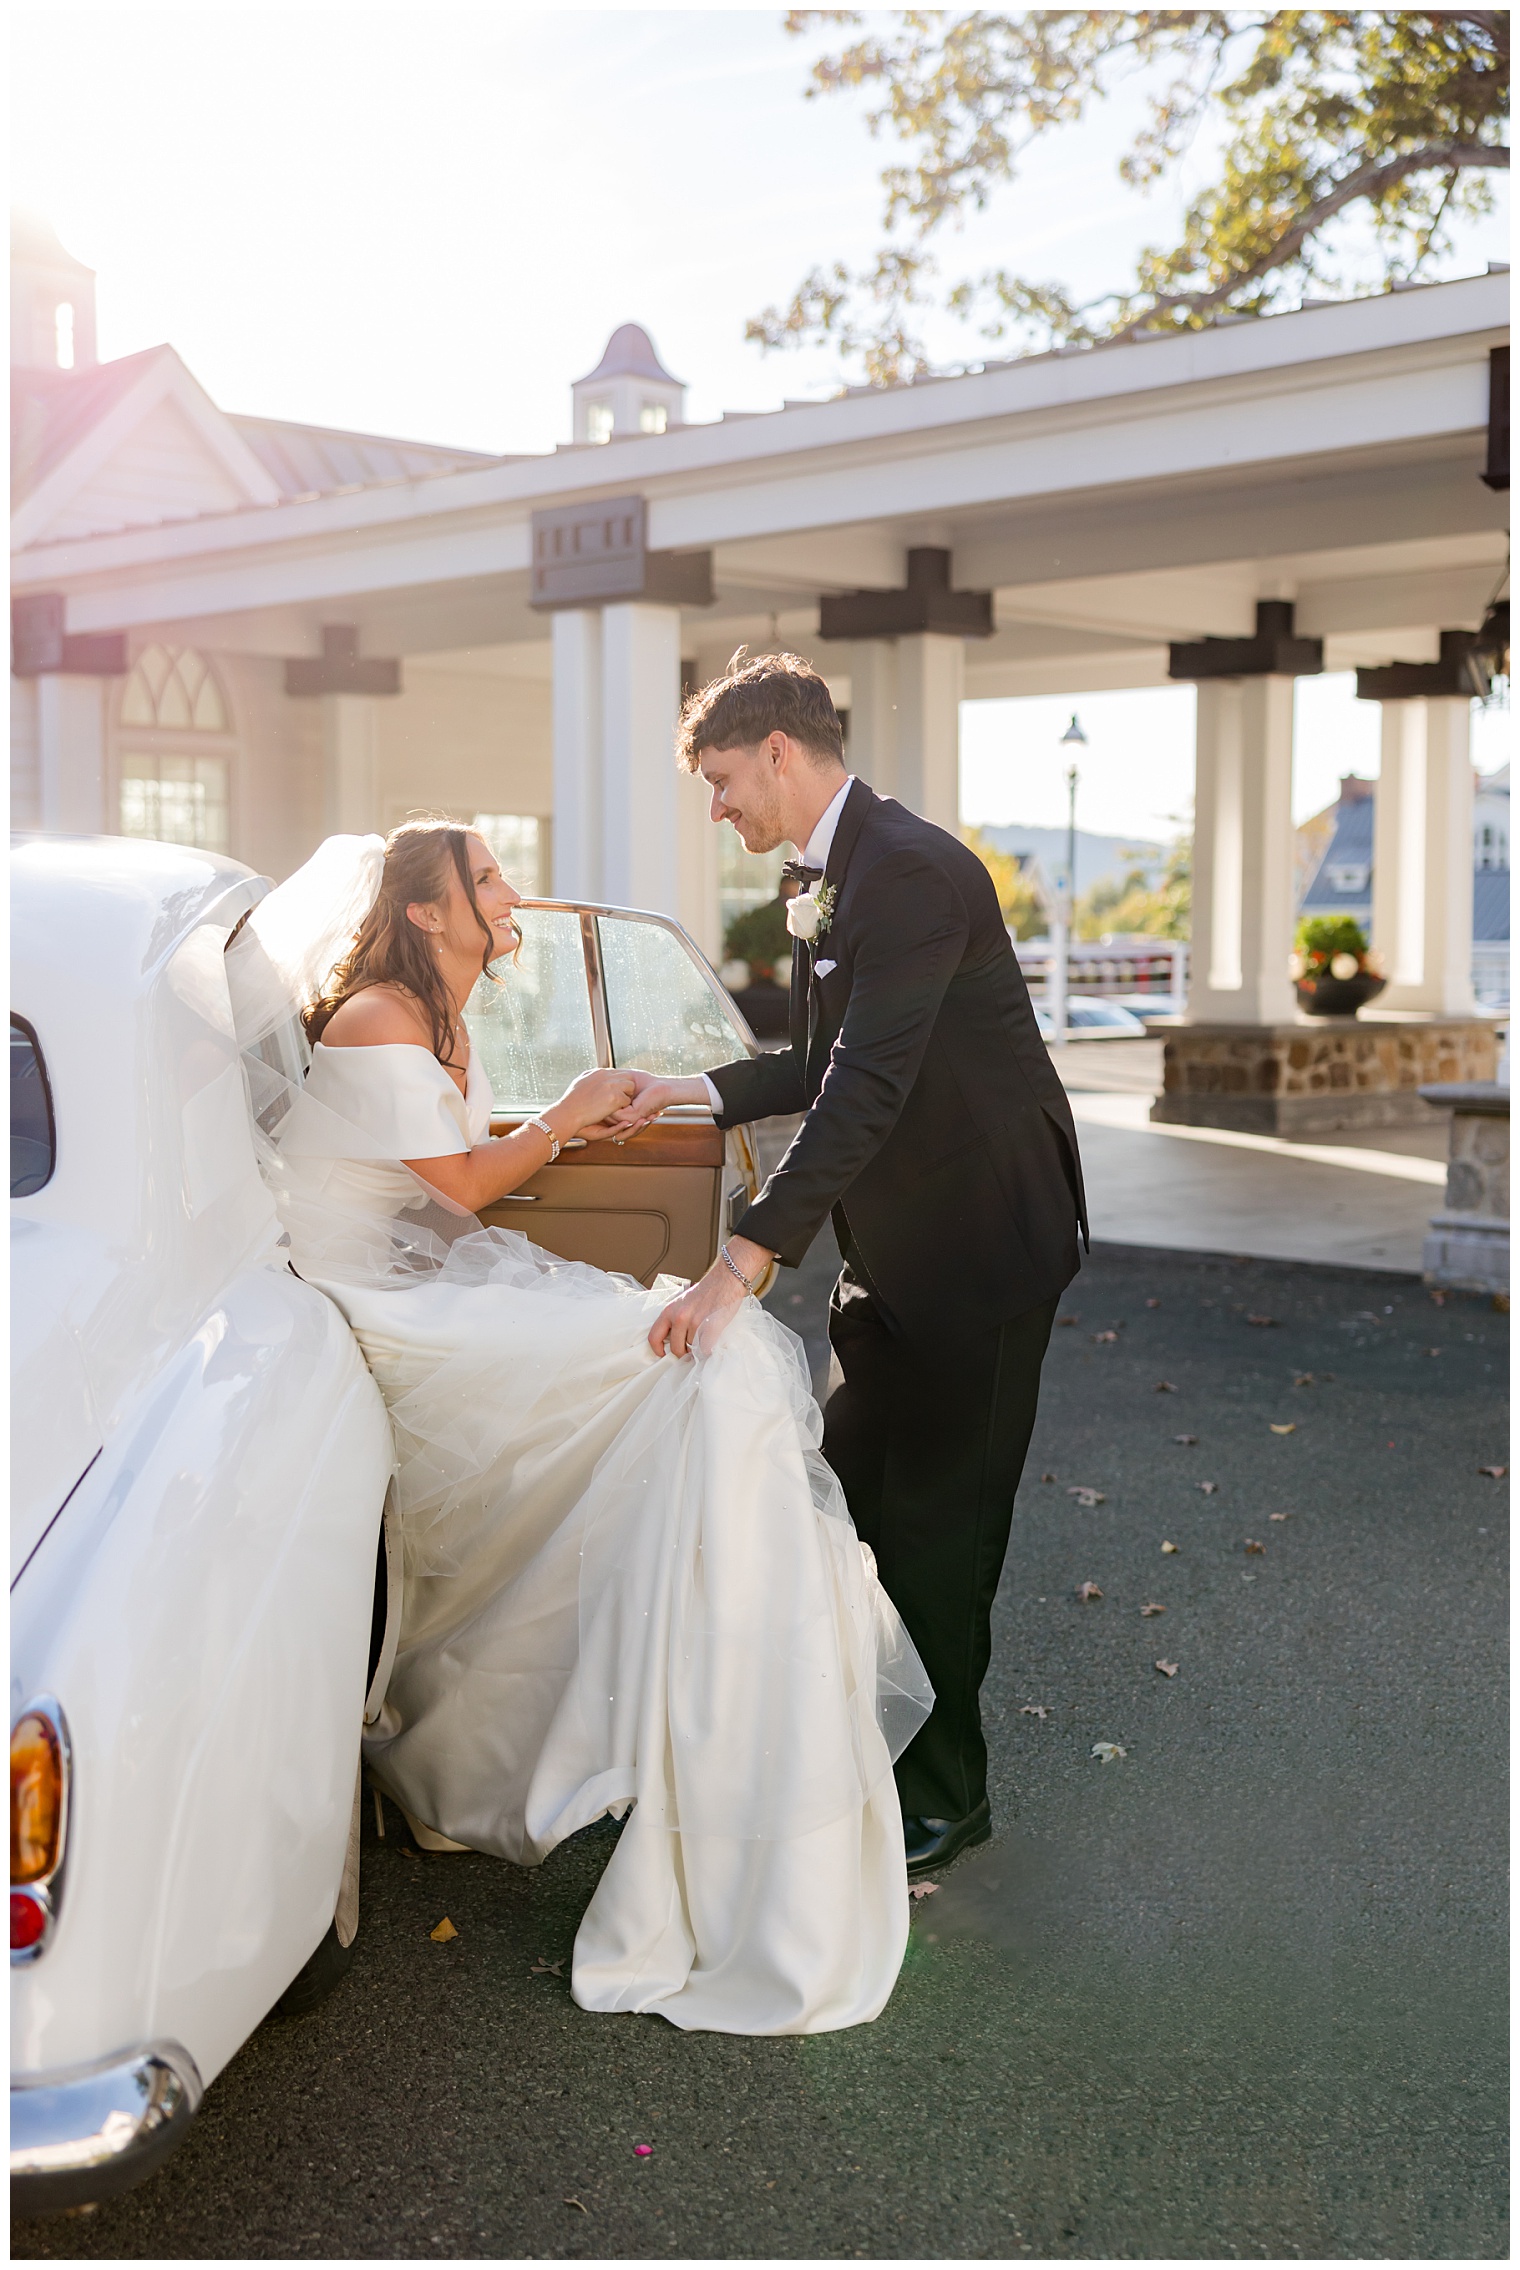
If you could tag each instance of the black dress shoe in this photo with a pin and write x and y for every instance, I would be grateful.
(934, 1844)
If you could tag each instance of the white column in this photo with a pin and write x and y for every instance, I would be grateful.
(641, 693)
(1243, 853)
(697, 901)
(931, 678)
(873, 714)
(351, 747)
(1422, 857)
(577, 674)
(71, 755)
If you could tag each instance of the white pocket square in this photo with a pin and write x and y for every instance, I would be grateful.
(821, 969)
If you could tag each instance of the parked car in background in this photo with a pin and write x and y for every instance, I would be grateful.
(1089, 1019)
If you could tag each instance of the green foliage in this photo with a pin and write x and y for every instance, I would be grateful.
(760, 937)
(1112, 908)
(1322, 936)
(1023, 908)
(1401, 112)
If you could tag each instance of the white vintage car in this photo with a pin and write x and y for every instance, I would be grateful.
(203, 1603)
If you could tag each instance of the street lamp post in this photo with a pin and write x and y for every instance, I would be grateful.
(1058, 986)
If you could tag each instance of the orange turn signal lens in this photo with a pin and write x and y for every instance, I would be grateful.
(37, 1798)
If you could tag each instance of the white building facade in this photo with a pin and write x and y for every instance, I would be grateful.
(262, 631)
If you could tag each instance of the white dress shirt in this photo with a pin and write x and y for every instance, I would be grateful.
(819, 844)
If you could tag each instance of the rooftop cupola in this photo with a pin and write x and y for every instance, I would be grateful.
(629, 392)
(52, 300)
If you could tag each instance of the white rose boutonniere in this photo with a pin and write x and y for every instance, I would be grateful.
(810, 913)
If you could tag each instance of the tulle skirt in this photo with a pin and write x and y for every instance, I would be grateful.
(633, 1587)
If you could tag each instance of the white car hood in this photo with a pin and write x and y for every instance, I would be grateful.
(57, 1275)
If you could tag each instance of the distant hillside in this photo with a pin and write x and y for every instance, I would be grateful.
(1099, 857)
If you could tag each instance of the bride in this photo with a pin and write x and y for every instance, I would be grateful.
(632, 1586)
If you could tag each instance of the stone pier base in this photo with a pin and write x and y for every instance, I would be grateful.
(1468, 1245)
(1318, 1075)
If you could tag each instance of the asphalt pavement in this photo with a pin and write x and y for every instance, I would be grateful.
(1238, 1991)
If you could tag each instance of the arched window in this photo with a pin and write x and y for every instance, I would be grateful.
(175, 750)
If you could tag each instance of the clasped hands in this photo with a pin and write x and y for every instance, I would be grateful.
(705, 1308)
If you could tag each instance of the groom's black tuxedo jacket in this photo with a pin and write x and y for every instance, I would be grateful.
(937, 1132)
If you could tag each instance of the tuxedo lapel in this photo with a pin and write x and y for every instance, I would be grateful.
(797, 1006)
(851, 820)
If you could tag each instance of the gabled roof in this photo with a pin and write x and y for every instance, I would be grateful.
(306, 461)
(52, 410)
(1491, 905)
(73, 435)
(1350, 846)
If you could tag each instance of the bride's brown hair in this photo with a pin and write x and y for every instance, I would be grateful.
(389, 949)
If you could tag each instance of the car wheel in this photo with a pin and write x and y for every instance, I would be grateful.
(317, 1977)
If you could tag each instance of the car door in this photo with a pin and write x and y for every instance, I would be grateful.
(608, 986)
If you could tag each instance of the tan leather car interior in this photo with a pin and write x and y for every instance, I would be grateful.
(649, 1207)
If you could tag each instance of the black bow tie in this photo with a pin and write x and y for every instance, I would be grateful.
(799, 878)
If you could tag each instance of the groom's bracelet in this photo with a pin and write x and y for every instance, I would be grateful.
(749, 1283)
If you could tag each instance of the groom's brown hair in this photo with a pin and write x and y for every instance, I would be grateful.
(772, 693)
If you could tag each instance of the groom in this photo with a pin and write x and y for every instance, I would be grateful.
(938, 1137)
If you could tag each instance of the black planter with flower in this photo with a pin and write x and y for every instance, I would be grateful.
(1332, 971)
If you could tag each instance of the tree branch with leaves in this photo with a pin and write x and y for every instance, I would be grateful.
(1403, 115)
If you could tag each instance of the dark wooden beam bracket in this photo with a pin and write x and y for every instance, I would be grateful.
(1274, 651)
(597, 555)
(341, 669)
(926, 602)
(42, 648)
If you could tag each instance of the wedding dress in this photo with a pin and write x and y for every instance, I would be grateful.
(632, 1585)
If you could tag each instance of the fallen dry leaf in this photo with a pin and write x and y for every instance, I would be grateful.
(1494, 1473)
(1168, 1547)
(1153, 1304)
(1209, 1489)
(1290, 1428)
(1068, 1320)
(1047, 1477)
(585, 2210)
(442, 1931)
(1303, 1379)
(1100, 1337)
(545, 1969)
(1166, 1387)
(1254, 1545)
(921, 1891)
(1279, 1517)
(1501, 1303)
(1088, 1592)
(1261, 1320)
(1084, 1494)
(1167, 1670)
(1034, 1710)
(1108, 1751)
(1439, 1299)
(1154, 1608)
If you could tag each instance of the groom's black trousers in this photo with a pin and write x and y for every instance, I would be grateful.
(929, 1441)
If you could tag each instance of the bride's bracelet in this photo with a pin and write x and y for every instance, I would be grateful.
(545, 1129)
(749, 1283)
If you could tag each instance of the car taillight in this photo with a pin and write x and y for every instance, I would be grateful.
(37, 1798)
(29, 1920)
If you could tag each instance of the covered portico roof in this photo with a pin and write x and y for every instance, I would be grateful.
(1111, 499)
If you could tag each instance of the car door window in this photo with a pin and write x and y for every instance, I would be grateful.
(33, 1143)
(531, 1020)
(664, 1011)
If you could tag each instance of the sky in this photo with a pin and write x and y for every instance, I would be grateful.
(427, 221)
